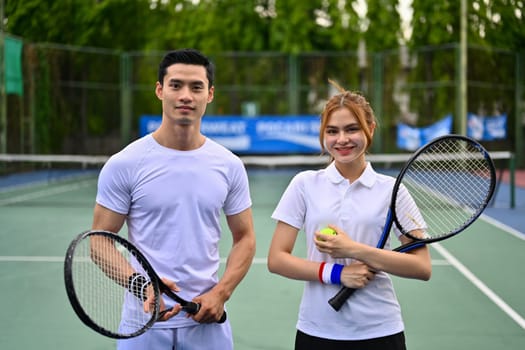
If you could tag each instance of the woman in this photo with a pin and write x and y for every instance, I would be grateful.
(351, 198)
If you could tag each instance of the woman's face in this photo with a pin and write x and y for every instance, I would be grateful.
(344, 137)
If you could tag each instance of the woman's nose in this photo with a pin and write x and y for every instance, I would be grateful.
(342, 137)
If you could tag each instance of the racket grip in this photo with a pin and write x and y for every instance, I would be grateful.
(190, 307)
(338, 300)
(193, 308)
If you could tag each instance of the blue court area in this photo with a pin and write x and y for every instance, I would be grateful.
(475, 298)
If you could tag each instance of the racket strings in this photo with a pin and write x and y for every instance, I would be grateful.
(101, 287)
(449, 185)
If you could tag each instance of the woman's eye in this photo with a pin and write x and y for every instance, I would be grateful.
(353, 129)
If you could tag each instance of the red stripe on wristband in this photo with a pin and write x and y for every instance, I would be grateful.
(320, 273)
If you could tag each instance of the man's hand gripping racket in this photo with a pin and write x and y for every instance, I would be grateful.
(441, 190)
(109, 282)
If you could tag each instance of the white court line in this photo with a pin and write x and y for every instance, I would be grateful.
(259, 261)
(31, 259)
(256, 261)
(26, 258)
(449, 260)
(503, 227)
(44, 193)
(480, 285)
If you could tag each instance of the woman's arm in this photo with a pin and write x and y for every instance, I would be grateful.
(414, 264)
(281, 261)
(280, 258)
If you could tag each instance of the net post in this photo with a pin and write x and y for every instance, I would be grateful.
(512, 180)
(3, 94)
(125, 98)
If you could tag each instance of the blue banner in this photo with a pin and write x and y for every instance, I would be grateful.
(411, 138)
(487, 128)
(255, 135)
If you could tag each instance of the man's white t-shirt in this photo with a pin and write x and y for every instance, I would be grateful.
(173, 201)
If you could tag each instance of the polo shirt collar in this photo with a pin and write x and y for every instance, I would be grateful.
(367, 178)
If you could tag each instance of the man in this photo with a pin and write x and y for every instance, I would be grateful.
(170, 187)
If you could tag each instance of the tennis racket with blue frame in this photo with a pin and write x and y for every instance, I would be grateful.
(440, 191)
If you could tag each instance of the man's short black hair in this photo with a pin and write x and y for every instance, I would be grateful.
(186, 56)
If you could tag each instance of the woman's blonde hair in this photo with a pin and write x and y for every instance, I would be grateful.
(356, 104)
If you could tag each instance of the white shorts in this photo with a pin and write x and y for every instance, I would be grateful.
(202, 336)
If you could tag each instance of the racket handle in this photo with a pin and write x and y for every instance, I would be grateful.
(223, 318)
(189, 307)
(338, 300)
(193, 308)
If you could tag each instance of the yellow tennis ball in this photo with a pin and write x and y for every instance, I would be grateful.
(328, 231)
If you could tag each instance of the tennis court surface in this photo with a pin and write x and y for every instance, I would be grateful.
(475, 298)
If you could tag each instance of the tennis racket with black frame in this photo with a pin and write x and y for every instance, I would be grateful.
(440, 191)
(108, 280)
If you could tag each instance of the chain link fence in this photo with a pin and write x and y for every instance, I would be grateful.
(81, 100)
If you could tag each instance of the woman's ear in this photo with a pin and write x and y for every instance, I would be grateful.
(372, 128)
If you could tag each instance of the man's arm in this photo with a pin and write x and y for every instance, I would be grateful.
(108, 220)
(237, 265)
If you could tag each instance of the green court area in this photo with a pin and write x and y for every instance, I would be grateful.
(474, 299)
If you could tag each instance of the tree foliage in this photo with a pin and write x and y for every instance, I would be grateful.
(326, 35)
(290, 26)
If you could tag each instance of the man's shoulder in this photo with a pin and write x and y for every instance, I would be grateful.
(133, 151)
(219, 150)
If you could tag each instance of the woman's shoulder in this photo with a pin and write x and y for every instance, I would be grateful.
(308, 176)
(385, 178)
(384, 181)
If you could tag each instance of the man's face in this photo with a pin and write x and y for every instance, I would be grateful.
(185, 93)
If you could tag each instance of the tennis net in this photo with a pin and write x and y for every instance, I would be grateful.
(22, 170)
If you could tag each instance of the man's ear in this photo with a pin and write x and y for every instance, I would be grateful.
(211, 94)
(158, 90)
